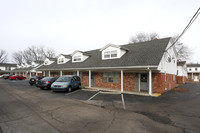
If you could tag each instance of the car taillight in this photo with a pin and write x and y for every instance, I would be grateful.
(37, 80)
(47, 82)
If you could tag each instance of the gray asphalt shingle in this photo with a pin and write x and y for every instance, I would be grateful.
(138, 54)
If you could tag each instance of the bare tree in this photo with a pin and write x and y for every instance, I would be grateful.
(184, 52)
(3, 56)
(142, 37)
(34, 53)
(18, 57)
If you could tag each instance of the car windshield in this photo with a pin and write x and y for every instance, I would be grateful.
(63, 79)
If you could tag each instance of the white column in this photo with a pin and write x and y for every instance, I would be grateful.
(192, 76)
(60, 73)
(150, 85)
(89, 78)
(30, 75)
(49, 73)
(139, 77)
(122, 81)
(44, 73)
(36, 74)
(23, 73)
(77, 73)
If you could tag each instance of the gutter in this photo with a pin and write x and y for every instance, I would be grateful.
(97, 68)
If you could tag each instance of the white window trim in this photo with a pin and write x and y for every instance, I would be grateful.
(61, 60)
(81, 58)
(110, 54)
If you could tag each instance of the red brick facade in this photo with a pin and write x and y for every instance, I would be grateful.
(190, 78)
(84, 79)
(181, 79)
(100, 83)
(129, 81)
(159, 83)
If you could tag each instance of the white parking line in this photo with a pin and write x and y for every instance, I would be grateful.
(69, 93)
(93, 96)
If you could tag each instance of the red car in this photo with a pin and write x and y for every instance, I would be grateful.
(17, 77)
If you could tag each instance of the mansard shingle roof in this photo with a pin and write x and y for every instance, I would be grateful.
(139, 54)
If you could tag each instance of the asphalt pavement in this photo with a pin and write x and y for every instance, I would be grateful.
(27, 109)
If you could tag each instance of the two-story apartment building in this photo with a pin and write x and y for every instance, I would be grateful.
(141, 67)
(193, 71)
(181, 72)
(28, 69)
(7, 67)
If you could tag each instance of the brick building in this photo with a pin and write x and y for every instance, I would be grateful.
(193, 71)
(141, 67)
(181, 72)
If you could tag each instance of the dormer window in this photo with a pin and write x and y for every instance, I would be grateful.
(112, 51)
(46, 62)
(61, 60)
(110, 54)
(77, 58)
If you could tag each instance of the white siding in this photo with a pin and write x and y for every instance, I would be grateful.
(83, 57)
(120, 52)
(2, 68)
(193, 69)
(166, 66)
(182, 71)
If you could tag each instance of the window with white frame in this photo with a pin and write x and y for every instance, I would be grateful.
(77, 58)
(61, 60)
(46, 62)
(112, 77)
(110, 54)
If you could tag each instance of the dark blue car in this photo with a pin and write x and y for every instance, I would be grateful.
(46, 82)
(66, 83)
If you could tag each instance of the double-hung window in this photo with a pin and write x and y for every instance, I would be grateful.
(112, 77)
(77, 58)
(110, 54)
(61, 60)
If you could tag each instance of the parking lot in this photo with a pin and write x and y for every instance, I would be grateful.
(25, 108)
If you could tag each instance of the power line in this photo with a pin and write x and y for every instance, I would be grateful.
(187, 27)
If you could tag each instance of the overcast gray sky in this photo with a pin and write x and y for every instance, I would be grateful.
(69, 25)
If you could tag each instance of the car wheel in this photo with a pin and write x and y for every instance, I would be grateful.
(70, 89)
(79, 87)
(42, 88)
(30, 84)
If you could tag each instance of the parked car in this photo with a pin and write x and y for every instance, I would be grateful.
(21, 77)
(46, 82)
(66, 83)
(16, 77)
(12, 77)
(33, 80)
(6, 76)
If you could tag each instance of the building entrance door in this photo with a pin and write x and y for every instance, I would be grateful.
(143, 82)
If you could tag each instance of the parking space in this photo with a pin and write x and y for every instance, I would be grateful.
(174, 111)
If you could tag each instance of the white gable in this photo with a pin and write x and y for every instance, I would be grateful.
(78, 56)
(168, 62)
(47, 62)
(112, 52)
(62, 59)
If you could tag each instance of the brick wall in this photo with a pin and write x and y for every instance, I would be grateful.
(129, 81)
(159, 83)
(67, 73)
(84, 79)
(100, 83)
(181, 79)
